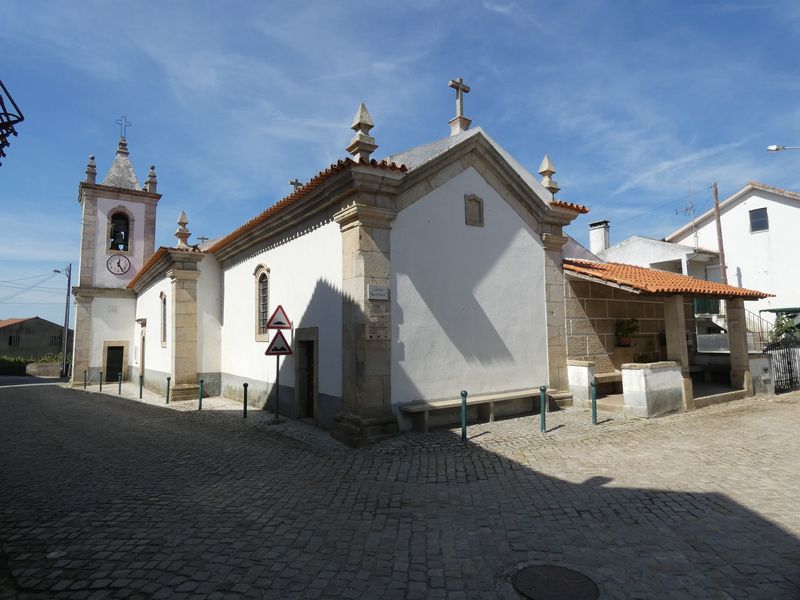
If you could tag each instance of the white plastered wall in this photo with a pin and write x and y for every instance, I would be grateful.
(468, 303)
(305, 278)
(764, 260)
(102, 277)
(112, 320)
(148, 306)
(209, 314)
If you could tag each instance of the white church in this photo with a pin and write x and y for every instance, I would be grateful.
(406, 279)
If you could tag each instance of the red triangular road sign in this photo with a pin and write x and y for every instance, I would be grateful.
(279, 319)
(278, 346)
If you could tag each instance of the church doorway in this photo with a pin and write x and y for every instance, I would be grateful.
(306, 377)
(113, 362)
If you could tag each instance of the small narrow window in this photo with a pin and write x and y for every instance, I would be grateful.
(759, 220)
(262, 302)
(163, 298)
(119, 232)
(13, 340)
(473, 210)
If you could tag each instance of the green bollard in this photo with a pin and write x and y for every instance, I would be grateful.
(543, 409)
(200, 397)
(101, 381)
(168, 380)
(119, 384)
(141, 385)
(244, 402)
(594, 401)
(463, 415)
(84, 379)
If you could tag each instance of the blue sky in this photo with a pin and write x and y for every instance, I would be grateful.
(640, 105)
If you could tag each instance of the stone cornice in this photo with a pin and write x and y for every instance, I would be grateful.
(183, 274)
(554, 242)
(115, 193)
(164, 260)
(370, 185)
(88, 293)
(359, 213)
(478, 152)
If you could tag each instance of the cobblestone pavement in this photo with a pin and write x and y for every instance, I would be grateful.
(109, 497)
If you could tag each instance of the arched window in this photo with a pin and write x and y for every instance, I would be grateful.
(119, 234)
(262, 302)
(163, 299)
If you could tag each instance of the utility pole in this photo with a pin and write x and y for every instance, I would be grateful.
(65, 334)
(723, 268)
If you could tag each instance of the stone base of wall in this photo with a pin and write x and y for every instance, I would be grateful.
(261, 395)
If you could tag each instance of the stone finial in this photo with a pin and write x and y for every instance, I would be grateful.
(459, 123)
(182, 233)
(91, 170)
(546, 169)
(152, 182)
(362, 144)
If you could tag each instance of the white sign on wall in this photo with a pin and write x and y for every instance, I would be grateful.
(378, 292)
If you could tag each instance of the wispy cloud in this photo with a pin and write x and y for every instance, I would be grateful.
(503, 9)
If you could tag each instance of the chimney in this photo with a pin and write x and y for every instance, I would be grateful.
(599, 237)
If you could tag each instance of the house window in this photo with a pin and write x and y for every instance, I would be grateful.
(13, 340)
(262, 302)
(55, 340)
(473, 210)
(120, 227)
(163, 298)
(759, 220)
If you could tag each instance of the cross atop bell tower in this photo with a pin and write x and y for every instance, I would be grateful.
(459, 123)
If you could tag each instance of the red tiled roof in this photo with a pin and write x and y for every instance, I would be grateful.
(301, 193)
(162, 250)
(7, 322)
(578, 208)
(657, 282)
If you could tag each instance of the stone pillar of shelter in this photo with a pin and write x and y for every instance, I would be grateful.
(737, 342)
(183, 353)
(366, 324)
(554, 307)
(677, 350)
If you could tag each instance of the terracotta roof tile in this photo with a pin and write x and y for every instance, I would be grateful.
(653, 281)
(161, 251)
(299, 194)
(578, 208)
(7, 322)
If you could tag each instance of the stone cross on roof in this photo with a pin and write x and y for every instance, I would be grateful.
(459, 123)
(296, 184)
(123, 126)
(461, 88)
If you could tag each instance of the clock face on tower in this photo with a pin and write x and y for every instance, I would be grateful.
(118, 264)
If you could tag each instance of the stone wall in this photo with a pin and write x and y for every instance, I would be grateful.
(592, 311)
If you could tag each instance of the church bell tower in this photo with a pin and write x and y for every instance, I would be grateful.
(117, 238)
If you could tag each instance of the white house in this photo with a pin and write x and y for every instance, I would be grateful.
(759, 233)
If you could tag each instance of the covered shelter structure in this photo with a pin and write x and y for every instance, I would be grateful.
(655, 368)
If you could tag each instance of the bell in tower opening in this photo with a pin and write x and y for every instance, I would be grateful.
(119, 232)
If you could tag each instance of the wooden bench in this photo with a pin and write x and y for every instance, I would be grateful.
(420, 410)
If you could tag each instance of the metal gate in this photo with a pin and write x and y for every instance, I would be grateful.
(785, 363)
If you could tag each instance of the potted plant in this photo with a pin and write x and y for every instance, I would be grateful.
(624, 330)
